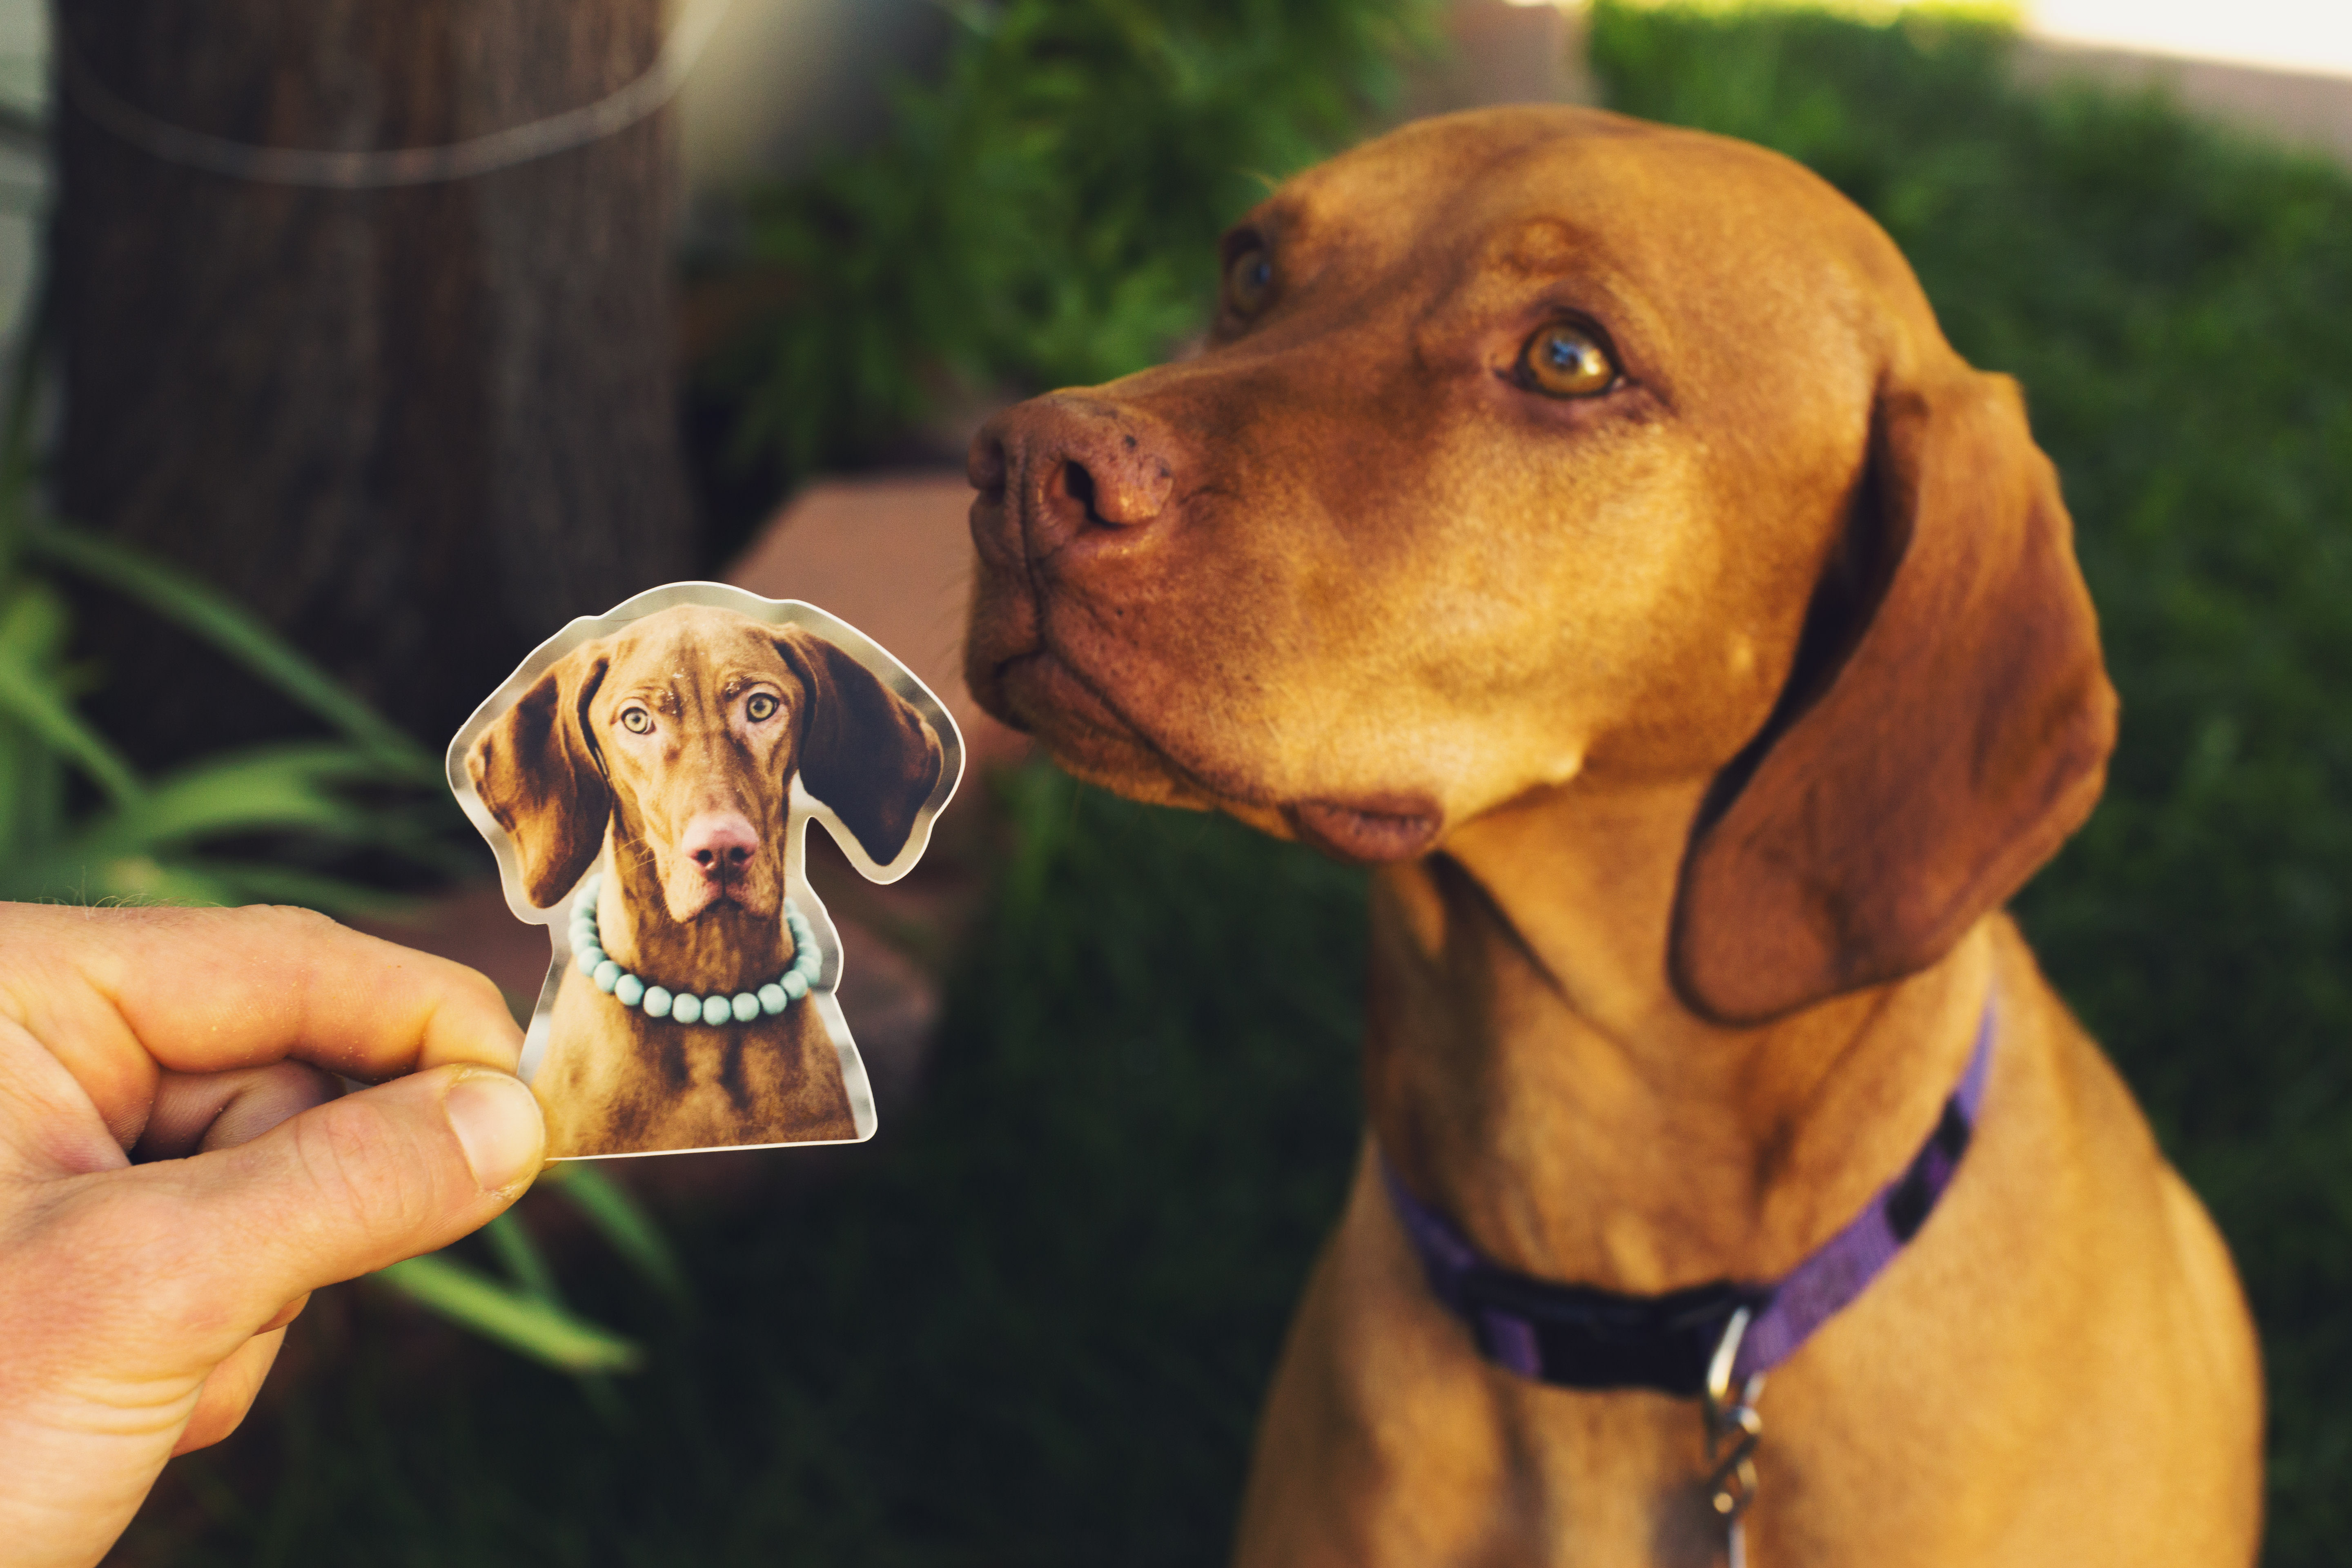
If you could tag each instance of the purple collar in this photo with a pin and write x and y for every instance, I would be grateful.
(1577, 1337)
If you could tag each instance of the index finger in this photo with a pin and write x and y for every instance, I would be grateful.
(118, 994)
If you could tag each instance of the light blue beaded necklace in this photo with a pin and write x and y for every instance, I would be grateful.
(588, 951)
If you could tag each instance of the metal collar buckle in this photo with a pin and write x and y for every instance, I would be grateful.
(1733, 1431)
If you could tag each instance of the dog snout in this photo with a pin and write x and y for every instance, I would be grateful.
(1068, 468)
(722, 843)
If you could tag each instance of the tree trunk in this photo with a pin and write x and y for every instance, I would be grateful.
(415, 428)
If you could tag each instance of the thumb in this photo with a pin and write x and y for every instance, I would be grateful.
(358, 1183)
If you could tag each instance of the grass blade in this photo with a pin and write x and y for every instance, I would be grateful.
(545, 1333)
(520, 1256)
(237, 633)
(32, 637)
(264, 789)
(43, 709)
(624, 1224)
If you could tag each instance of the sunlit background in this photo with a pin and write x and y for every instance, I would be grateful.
(2283, 34)
(2280, 34)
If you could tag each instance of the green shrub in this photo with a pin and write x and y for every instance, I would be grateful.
(1043, 214)
(2177, 305)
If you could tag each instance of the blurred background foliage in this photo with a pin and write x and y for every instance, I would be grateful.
(262, 823)
(1040, 216)
(1034, 1322)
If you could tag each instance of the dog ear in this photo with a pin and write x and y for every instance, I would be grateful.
(537, 770)
(1942, 745)
(864, 751)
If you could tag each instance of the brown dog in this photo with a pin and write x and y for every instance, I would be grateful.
(669, 750)
(1587, 523)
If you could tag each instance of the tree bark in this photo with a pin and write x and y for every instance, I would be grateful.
(415, 428)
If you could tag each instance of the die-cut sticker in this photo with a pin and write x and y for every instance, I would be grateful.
(647, 777)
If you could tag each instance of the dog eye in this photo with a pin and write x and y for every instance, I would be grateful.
(761, 705)
(637, 721)
(1249, 279)
(1565, 361)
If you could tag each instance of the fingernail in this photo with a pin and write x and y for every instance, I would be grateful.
(496, 1121)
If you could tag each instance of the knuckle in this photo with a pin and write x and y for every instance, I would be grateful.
(287, 929)
(291, 920)
(469, 1020)
(477, 989)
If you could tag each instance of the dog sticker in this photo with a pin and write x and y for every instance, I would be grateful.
(646, 778)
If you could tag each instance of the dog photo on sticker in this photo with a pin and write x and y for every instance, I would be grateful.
(646, 778)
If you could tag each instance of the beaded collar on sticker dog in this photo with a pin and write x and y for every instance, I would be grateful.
(656, 1002)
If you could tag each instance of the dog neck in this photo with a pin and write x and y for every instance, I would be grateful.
(725, 949)
(1530, 1069)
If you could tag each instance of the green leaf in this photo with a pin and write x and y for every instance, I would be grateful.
(538, 1329)
(520, 1256)
(237, 633)
(623, 1223)
(257, 790)
(1045, 212)
(32, 633)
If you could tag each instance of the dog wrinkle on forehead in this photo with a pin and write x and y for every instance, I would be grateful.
(682, 641)
(1374, 208)
(696, 650)
(1521, 265)
(1540, 246)
(1434, 158)
(1528, 243)
(1685, 212)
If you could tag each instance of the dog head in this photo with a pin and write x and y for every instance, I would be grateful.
(684, 731)
(1537, 447)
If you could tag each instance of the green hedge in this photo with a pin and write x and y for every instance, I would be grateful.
(2177, 303)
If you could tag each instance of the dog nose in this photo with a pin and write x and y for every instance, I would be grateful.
(1067, 467)
(721, 842)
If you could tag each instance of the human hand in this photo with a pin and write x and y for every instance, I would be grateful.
(141, 1303)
